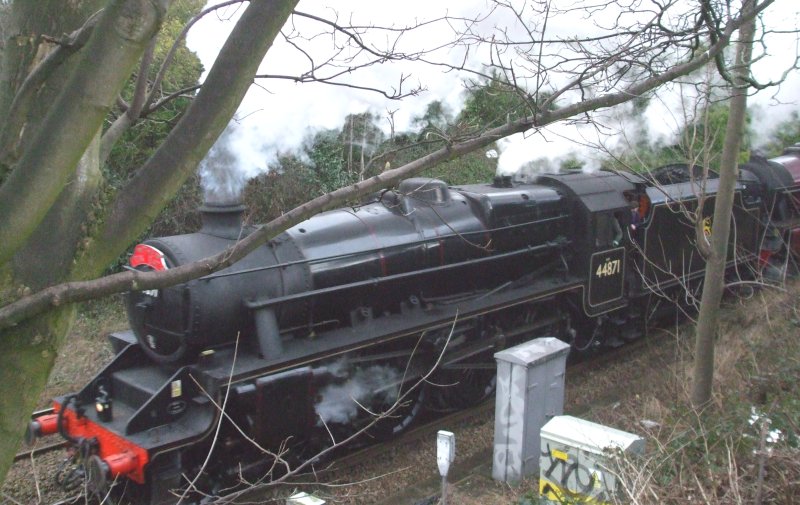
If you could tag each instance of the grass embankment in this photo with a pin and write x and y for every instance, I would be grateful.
(745, 447)
(86, 350)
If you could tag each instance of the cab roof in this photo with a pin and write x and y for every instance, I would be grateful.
(596, 191)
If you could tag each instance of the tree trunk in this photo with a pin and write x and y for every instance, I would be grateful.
(46, 165)
(74, 239)
(714, 281)
(45, 254)
(29, 351)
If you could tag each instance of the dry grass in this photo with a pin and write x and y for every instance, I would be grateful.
(722, 456)
(86, 350)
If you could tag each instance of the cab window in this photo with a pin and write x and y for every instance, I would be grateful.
(608, 231)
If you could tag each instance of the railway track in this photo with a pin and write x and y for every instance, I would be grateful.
(40, 450)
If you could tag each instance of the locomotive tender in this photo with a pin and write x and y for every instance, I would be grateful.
(357, 304)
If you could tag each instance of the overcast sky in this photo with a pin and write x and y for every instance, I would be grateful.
(276, 115)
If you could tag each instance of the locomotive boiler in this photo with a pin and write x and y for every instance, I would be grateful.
(342, 316)
(341, 265)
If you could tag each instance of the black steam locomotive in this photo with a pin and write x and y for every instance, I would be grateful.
(337, 318)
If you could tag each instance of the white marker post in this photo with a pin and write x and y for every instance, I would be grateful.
(445, 454)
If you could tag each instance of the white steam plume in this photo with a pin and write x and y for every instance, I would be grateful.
(229, 164)
(339, 403)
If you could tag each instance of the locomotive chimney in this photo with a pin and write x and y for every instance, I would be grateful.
(223, 219)
(503, 181)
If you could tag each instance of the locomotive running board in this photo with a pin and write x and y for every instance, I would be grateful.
(302, 351)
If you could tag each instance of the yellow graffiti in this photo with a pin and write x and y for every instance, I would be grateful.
(707, 226)
(558, 494)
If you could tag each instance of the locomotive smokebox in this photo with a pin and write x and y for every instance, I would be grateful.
(223, 219)
(178, 322)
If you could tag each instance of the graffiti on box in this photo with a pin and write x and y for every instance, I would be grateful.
(567, 476)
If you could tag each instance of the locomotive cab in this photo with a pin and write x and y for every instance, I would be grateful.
(603, 216)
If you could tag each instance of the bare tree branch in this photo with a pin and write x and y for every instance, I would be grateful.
(393, 94)
(143, 100)
(80, 291)
(148, 106)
